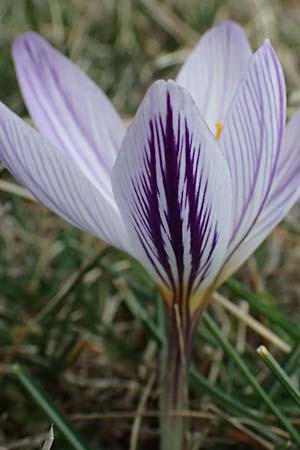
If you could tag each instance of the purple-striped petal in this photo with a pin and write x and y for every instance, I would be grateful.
(56, 180)
(285, 192)
(173, 189)
(214, 68)
(251, 142)
(68, 108)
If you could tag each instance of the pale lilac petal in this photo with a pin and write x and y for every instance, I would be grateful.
(173, 189)
(214, 68)
(284, 193)
(251, 142)
(68, 108)
(56, 180)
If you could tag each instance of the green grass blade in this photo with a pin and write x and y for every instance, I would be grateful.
(198, 382)
(280, 374)
(257, 302)
(289, 366)
(232, 353)
(41, 398)
(138, 311)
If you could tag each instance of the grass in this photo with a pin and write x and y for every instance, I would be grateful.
(82, 321)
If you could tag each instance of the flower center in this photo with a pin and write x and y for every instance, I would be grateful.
(219, 128)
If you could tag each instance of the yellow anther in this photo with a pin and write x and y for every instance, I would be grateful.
(219, 128)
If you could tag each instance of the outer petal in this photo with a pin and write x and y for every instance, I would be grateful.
(68, 108)
(214, 68)
(251, 141)
(285, 192)
(173, 189)
(56, 180)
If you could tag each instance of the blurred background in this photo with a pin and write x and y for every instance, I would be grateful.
(79, 316)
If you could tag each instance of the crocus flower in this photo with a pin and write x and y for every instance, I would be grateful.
(204, 173)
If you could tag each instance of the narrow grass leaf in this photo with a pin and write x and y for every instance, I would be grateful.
(56, 416)
(198, 382)
(289, 366)
(232, 353)
(280, 374)
(257, 302)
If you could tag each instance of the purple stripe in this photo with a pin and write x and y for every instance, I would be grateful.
(171, 186)
(198, 217)
(74, 207)
(161, 230)
(43, 62)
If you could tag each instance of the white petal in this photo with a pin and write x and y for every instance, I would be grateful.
(173, 189)
(285, 192)
(56, 180)
(68, 108)
(251, 141)
(214, 68)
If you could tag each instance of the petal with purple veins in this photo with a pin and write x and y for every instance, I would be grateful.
(173, 189)
(56, 180)
(284, 193)
(251, 141)
(68, 108)
(214, 69)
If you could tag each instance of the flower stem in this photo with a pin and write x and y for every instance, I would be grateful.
(174, 382)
